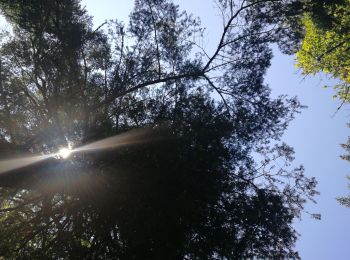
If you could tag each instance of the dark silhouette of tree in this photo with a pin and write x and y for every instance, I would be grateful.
(208, 176)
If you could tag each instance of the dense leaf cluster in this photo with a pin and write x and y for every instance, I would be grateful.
(325, 47)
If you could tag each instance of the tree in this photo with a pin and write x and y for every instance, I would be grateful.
(325, 47)
(202, 182)
(318, 33)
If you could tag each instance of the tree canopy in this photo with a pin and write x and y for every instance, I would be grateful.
(203, 174)
(318, 32)
(325, 47)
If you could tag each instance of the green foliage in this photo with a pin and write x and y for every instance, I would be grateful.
(325, 47)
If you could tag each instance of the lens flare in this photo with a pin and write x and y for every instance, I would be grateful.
(64, 153)
(129, 138)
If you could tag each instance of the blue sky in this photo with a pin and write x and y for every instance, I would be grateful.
(315, 134)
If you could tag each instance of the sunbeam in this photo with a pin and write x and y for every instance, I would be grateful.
(13, 164)
(117, 141)
(129, 138)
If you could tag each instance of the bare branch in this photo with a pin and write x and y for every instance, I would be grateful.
(227, 27)
(218, 91)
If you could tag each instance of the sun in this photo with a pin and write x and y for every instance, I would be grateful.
(64, 153)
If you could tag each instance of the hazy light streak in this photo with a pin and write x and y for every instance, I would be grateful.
(129, 138)
(13, 164)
